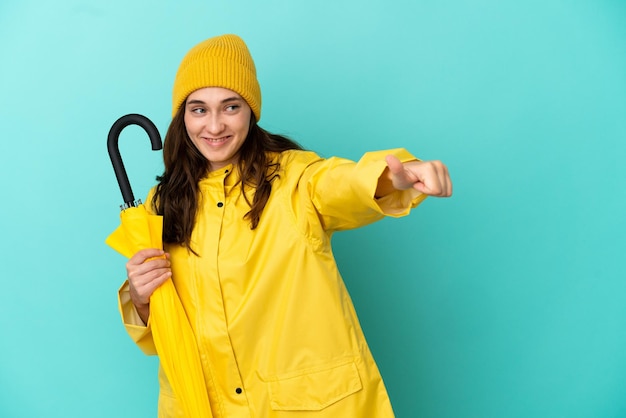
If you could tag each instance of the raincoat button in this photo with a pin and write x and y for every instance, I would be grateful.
(220, 204)
(238, 390)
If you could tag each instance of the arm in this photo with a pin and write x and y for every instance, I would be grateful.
(347, 194)
(145, 274)
(138, 331)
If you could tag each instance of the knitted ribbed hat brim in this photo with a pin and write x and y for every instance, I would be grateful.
(223, 61)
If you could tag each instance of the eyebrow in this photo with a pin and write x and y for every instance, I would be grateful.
(228, 99)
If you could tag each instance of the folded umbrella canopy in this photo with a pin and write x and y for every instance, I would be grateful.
(173, 336)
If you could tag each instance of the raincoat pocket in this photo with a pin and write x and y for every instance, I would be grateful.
(314, 389)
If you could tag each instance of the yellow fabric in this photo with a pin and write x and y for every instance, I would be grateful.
(171, 333)
(269, 309)
(140, 333)
(222, 61)
(138, 229)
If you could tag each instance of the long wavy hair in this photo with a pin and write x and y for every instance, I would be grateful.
(176, 196)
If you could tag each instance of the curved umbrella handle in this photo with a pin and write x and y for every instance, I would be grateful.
(114, 151)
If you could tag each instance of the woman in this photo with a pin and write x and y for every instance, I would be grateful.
(248, 219)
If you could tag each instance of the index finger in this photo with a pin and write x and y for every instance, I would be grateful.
(142, 255)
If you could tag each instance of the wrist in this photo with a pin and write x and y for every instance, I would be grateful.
(143, 311)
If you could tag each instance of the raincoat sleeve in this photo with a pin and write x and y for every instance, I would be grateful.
(139, 332)
(342, 191)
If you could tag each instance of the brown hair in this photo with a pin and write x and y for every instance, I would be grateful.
(176, 195)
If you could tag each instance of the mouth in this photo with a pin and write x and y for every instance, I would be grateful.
(216, 141)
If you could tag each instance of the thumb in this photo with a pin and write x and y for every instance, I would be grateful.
(394, 164)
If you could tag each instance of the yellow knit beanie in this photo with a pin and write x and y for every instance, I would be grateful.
(223, 61)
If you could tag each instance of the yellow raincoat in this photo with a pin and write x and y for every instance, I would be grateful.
(276, 330)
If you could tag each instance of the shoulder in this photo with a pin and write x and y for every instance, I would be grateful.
(296, 160)
(149, 202)
(293, 167)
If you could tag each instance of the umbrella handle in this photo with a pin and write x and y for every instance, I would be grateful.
(114, 151)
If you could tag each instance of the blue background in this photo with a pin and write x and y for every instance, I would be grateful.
(505, 301)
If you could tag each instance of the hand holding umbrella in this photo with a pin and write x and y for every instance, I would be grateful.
(173, 336)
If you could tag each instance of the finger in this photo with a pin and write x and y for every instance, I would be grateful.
(446, 183)
(141, 287)
(402, 174)
(436, 180)
(145, 272)
(148, 264)
(141, 294)
(151, 264)
(140, 278)
(428, 187)
(394, 164)
(155, 278)
(142, 255)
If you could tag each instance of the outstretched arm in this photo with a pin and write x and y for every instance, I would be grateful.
(428, 177)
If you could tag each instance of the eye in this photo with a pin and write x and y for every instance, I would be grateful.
(232, 108)
(198, 110)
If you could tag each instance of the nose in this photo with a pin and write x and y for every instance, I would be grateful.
(214, 123)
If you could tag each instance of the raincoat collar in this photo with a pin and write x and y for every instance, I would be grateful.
(227, 173)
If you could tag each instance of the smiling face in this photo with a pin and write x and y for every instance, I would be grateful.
(217, 122)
